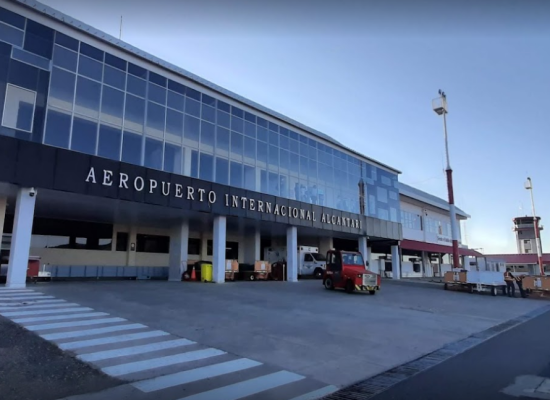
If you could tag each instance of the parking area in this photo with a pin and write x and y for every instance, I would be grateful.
(329, 336)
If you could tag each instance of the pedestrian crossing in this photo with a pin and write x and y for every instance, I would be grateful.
(155, 364)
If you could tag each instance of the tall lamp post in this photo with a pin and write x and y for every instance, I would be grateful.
(440, 107)
(529, 186)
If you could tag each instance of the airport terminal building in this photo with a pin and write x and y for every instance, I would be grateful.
(112, 157)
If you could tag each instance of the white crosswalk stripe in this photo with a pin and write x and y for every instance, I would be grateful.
(71, 324)
(90, 332)
(38, 306)
(42, 312)
(111, 339)
(25, 298)
(317, 394)
(20, 303)
(59, 317)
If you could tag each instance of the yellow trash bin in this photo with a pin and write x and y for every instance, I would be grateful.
(206, 272)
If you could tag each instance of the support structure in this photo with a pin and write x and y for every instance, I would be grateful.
(529, 186)
(21, 238)
(219, 244)
(292, 253)
(395, 262)
(179, 243)
(363, 249)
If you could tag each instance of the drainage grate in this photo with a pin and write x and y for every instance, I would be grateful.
(371, 387)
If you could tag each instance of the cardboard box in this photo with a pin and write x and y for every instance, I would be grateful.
(262, 266)
(537, 283)
(231, 265)
(452, 277)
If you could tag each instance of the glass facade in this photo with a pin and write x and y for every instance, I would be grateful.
(100, 104)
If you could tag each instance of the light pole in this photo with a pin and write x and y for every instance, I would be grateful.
(529, 186)
(440, 107)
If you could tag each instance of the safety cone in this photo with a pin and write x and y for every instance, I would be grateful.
(193, 274)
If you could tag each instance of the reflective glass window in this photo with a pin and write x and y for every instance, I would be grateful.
(206, 167)
(58, 128)
(304, 149)
(193, 94)
(284, 159)
(381, 194)
(175, 100)
(195, 164)
(153, 153)
(134, 114)
(273, 127)
(273, 183)
(262, 152)
(283, 131)
(109, 142)
(11, 35)
(294, 164)
(283, 142)
(191, 127)
(222, 171)
(62, 85)
(136, 86)
(312, 169)
(224, 106)
(222, 139)
(283, 186)
(236, 144)
(156, 93)
(19, 108)
(176, 87)
(237, 112)
(66, 41)
(250, 149)
(249, 176)
(294, 146)
(249, 117)
(156, 116)
(39, 39)
(84, 135)
(208, 113)
(237, 124)
(9, 17)
(174, 126)
(91, 51)
(208, 136)
(250, 129)
(263, 181)
(261, 134)
(273, 155)
(312, 153)
(137, 71)
(131, 148)
(304, 166)
(157, 79)
(208, 100)
(116, 62)
(261, 122)
(302, 138)
(90, 68)
(236, 174)
(292, 135)
(192, 107)
(172, 158)
(114, 77)
(65, 58)
(223, 119)
(112, 106)
(273, 138)
(87, 97)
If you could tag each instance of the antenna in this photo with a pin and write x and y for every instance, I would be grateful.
(120, 33)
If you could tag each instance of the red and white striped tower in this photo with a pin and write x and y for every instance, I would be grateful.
(529, 186)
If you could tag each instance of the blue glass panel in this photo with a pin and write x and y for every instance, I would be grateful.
(91, 51)
(303, 139)
(176, 87)
(283, 142)
(261, 133)
(208, 136)
(112, 106)
(224, 106)
(273, 183)
(236, 174)
(294, 146)
(84, 136)
(156, 117)
(222, 171)
(116, 62)
(58, 128)
(312, 143)
(87, 97)
(65, 58)
(273, 127)
(62, 85)
(284, 158)
(304, 149)
(11, 35)
(249, 177)
(312, 169)
(38, 45)
(174, 125)
(208, 113)
(134, 113)
(175, 100)
(137, 71)
(237, 112)
(153, 153)
(262, 151)
(206, 167)
(312, 153)
(9, 17)
(237, 124)
(273, 138)
(293, 135)
(208, 100)
(283, 131)
(193, 107)
(191, 128)
(114, 77)
(294, 164)
(157, 93)
(66, 41)
(131, 148)
(136, 86)
(158, 79)
(236, 144)
(250, 129)
(109, 142)
(261, 122)
(263, 181)
(172, 158)
(250, 148)
(31, 58)
(223, 119)
(5, 50)
(273, 155)
(195, 164)
(90, 68)
(304, 166)
(249, 117)
(192, 93)
(222, 138)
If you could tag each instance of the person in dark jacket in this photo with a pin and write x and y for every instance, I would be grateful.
(509, 279)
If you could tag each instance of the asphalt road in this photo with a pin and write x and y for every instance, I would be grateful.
(485, 370)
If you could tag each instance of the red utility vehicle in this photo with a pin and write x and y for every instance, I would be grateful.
(346, 270)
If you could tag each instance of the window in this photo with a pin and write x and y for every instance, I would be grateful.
(62, 84)
(131, 148)
(222, 140)
(175, 101)
(122, 241)
(11, 35)
(207, 136)
(114, 77)
(64, 58)
(308, 257)
(194, 246)
(174, 126)
(231, 250)
(236, 174)
(249, 177)
(192, 107)
(136, 86)
(112, 106)
(172, 158)
(84, 136)
(19, 108)
(58, 128)
(153, 153)
(87, 97)
(156, 116)
(134, 113)
(152, 244)
(222, 171)
(208, 113)
(109, 142)
(206, 168)
(191, 131)
(90, 68)
(67, 234)
(157, 94)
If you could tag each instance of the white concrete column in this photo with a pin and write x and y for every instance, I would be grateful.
(179, 243)
(3, 205)
(252, 247)
(218, 248)
(325, 244)
(427, 266)
(363, 249)
(21, 238)
(292, 253)
(395, 262)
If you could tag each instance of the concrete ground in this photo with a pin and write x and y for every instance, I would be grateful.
(330, 336)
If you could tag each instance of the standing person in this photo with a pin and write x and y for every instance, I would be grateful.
(519, 281)
(509, 279)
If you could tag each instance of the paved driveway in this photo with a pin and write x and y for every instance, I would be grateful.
(329, 336)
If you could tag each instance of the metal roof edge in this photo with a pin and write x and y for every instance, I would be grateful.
(67, 19)
(417, 194)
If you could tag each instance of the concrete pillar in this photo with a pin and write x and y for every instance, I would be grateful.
(395, 262)
(132, 240)
(427, 266)
(325, 244)
(21, 238)
(3, 206)
(252, 246)
(218, 248)
(292, 253)
(363, 249)
(179, 243)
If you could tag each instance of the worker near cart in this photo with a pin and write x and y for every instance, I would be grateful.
(519, 281)
(509, 279)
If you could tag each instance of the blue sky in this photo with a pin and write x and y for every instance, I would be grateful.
(366, 72)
